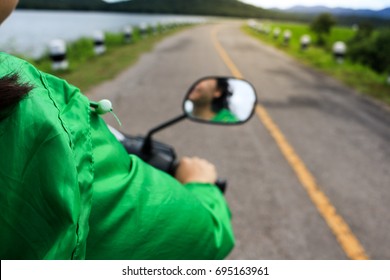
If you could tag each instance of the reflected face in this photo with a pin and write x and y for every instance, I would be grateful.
(204, 92)
(204, 98)
(6, 7)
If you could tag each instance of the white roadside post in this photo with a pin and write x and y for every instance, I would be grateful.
(305, 42)
(267, 29)
(287, 36)
(339, 51)
(143, 27)
(57, 52)
(276, 33)
(259, 27)
(155, 26)
(98, 38)
(128, 34)
(251, 23)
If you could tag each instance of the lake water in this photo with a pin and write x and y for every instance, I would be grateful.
(29, 32)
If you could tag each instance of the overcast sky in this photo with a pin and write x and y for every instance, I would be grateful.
(355, 4)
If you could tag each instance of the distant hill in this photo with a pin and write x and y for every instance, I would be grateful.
(228, 8)
(384, 14)
(62, 4)
(194, 7)
(232, 8)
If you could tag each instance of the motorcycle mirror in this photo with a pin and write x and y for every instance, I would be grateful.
(220, 100)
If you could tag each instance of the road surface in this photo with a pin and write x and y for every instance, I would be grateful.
(312, 183)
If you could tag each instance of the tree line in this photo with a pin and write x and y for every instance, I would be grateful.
(227, 8)
(232, 8)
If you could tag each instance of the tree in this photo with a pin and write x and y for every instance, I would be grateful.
(372, 50)
(322, 25)
(365, 30)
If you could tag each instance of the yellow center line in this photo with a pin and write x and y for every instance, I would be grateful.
(344, 235)
(225, 57)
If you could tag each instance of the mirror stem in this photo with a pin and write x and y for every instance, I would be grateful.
(147, 146)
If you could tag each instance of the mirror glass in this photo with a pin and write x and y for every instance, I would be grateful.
(220, 100)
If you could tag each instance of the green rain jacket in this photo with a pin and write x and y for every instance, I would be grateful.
(69, 190)
(225, 116)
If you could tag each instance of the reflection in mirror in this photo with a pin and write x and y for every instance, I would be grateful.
(220, 100)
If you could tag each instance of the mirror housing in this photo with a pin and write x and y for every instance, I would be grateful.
(220, 100)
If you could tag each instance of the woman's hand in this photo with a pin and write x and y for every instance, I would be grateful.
(196, 170)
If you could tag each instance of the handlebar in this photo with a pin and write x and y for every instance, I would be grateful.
(162, 156)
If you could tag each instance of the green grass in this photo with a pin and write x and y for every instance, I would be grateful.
(361, 78)
(87, 69)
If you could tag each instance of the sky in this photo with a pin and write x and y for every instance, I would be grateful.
(354, 4)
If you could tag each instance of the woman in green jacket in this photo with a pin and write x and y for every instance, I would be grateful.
(209, 101)
(69, 190)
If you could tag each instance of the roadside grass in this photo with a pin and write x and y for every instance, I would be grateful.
(359, 77)
(87, 69)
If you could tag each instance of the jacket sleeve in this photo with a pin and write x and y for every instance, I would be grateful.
(39, 195)
(45, 168)
(139, 212)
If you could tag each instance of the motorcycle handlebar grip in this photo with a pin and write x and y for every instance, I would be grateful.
(221, 184)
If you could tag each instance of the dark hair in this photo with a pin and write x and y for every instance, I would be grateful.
(222, 101)
(12, 91)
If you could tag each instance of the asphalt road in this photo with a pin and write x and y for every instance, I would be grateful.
(342, 139)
